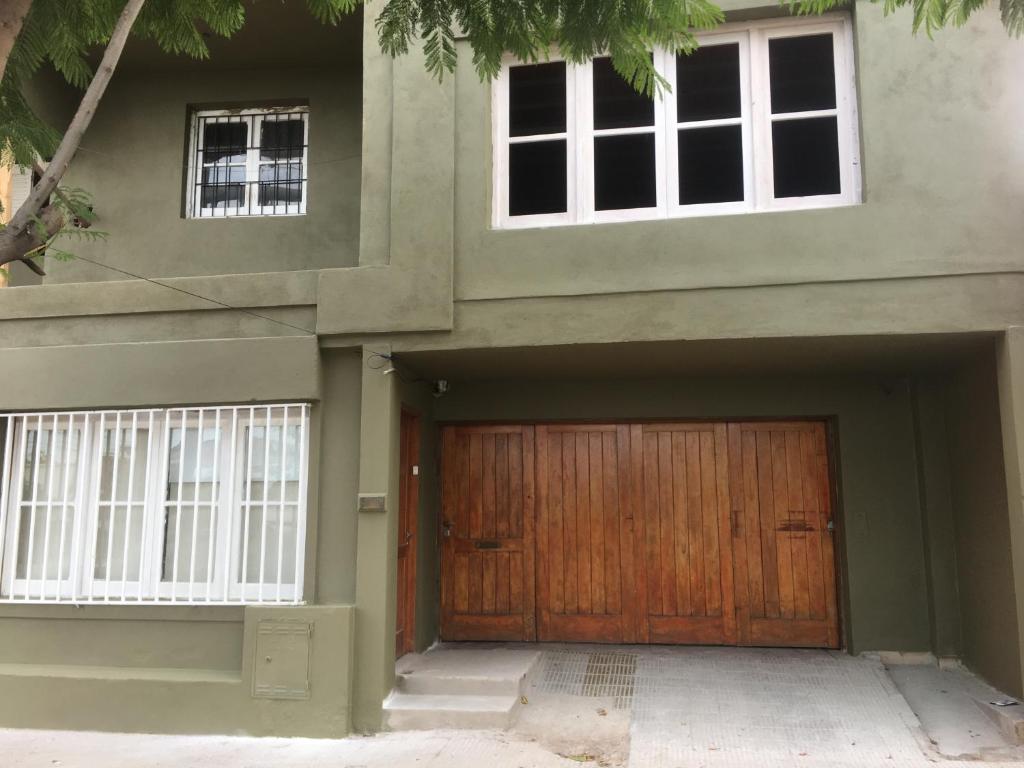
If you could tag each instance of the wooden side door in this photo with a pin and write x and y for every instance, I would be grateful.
(584, 534)
(487, 551)
(785, 569)
(408, 509)
(685, 510)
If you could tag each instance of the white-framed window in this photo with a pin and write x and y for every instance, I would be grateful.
(249, 162)
(761, 117)
(191, 505)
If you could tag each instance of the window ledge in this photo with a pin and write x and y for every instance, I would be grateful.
(222, 613)
(161, 674)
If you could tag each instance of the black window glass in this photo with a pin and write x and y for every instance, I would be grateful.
(708, 83)
(280, 183)
(223, 186)
(617, 104)
(536, 95)
(537, 178)
(711, 165)
(802, 73)
(282, 139)
(624, 172)
(224, 142)
(806, 157)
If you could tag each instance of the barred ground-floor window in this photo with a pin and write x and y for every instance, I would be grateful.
(191, 505)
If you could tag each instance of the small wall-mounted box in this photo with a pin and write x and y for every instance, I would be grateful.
(373, 502)
(281, 662)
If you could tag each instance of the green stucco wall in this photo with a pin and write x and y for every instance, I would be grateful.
(985, 564)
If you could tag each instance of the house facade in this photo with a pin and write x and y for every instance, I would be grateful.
(366, 361)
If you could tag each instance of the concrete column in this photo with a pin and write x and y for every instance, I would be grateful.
(377, 539)
(1010, 372)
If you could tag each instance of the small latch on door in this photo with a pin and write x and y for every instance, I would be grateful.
(446, 529)
(831, 525)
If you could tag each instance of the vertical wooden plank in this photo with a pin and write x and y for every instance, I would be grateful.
(501, 487)
(798, 537)
(695, 532)
(828, 541)
(766, 500)
(780, 491)
(610, 475)
(583, 532)
(461, 563)
(556, 533)
(515, 583)
(528, 522)
(632, 534)
(570, 539)
(515, 483)
(597, 524)
(709, 513)
(812, 514)
(489, 562)
(448, 513)
(476, 583)
(645, 525)
(476, 510)
(752, 534)
(681, 561)
(489, 528)
(501, 583)
(724, 506)
(663, 474)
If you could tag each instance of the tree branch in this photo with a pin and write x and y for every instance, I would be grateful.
(12, 16)
(13, 237)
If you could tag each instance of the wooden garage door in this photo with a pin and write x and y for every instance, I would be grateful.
(703, 533)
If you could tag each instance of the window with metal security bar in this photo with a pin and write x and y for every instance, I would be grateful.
(250, 162)
(176, 505)
(761, 117)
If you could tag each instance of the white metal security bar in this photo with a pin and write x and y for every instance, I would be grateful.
(171, 505)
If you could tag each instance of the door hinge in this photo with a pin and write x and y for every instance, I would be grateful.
(831, 526)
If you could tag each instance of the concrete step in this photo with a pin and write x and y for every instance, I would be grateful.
(466, 671)
(417, 712)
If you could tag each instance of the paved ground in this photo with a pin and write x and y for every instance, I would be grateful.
(641, 707)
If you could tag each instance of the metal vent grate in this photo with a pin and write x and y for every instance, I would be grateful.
(598, 674)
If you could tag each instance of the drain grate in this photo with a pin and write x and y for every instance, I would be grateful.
(598, 674)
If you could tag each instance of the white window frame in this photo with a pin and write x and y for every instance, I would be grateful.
(225, 580)
(755, 118)
(253, 118)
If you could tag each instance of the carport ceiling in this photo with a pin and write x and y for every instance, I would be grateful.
(882, 354)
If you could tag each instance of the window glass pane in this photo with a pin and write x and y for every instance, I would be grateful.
(281, 521)
(536, 96)
(537, 180)
(54, 457)
(281, 139)
(224, 142)
(271, 464)
(624, 175)
(280, 184)
(223, 186)
(806, 157)
(711, 165)
(802, 73)
(196, 481)
(38, 536)
(708, 83)
(617, 104)
(180, 523)
(125, 446)
(114, 524)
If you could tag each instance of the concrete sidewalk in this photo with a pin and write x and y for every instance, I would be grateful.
(618, 706)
